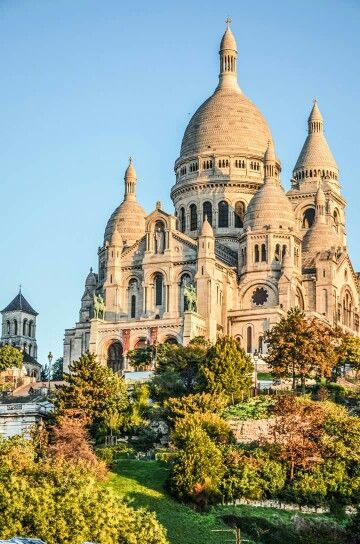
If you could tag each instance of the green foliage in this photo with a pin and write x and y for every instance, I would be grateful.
(57, 370)
(96, 392)
(252, 475)
(165, 384)
(197, 469)
(213, 425)
(191, 404)
(10, 357)
(141, 358)
(64, 503)
(144, 483)
(255, 408)
(226, 369)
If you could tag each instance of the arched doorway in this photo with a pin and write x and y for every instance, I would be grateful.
(171, 340)
(115, 357)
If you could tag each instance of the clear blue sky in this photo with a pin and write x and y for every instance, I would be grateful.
(86, 83)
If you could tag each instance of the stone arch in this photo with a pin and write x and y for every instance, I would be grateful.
(308, 217)
(115, 356)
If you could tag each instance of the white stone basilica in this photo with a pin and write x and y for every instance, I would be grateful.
(251, 250)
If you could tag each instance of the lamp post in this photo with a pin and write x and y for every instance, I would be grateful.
(50, 358)
(256, 358)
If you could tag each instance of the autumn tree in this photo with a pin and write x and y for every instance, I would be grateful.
(226, 369)
(299, 348)
(10, 357)
(70, 442)
(94, 391)
(296, 432)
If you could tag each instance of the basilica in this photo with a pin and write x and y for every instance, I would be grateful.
(250, 251)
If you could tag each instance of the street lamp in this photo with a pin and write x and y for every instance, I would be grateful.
(256, 359)
(50, 358)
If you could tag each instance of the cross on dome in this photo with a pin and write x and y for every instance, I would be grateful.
(228, 22)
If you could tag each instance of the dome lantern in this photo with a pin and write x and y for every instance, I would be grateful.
(228, 59)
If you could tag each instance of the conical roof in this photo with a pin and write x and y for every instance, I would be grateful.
(316, 153)
(19, 303)
(206, 229)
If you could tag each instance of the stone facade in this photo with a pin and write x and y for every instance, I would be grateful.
(251, 250)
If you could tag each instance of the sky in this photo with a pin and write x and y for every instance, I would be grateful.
(86, 83)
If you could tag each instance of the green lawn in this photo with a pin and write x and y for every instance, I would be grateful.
(142, 484)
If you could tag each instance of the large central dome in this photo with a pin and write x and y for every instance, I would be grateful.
(226, 122)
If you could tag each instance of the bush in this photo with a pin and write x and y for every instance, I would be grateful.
(256, 408)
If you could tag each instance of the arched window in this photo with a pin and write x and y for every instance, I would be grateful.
(30, 349)
(223, 210)
(15, 327)
(207, 212)
(249, 339)
(193, 217)
(239, 215)
(263, 253)
(159, 282)
(284, 250)
(160, 237)
(31, 329)
(260, 345)
(336, 220)
(347, 310)
(308, 218)
(257, 253)
(182, 220)
(25, 327)
(8, 327)
(171, 340)
(115, 356)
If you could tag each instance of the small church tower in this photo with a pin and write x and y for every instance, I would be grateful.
(19, 330)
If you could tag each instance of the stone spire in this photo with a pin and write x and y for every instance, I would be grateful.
(316, 159)
(228, 59)
(270, 163)
(130, 181)
(315, 121)
(206, 229)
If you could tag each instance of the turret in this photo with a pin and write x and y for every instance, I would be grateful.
(316, 159)
(228, 59)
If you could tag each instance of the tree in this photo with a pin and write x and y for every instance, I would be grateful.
(349, 352)
(69, 441)
(226, 369)
(297, 431)
(299, 348)
(57, 370)
(180, 407)
(197, 470)
(94, 391)
(10, 357)
(63, 502)
(141, 358)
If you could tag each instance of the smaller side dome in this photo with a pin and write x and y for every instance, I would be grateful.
(116, 239)
(270, 205)
(91, 279)
(127, 222)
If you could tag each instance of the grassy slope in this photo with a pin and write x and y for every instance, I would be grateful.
(142, 484)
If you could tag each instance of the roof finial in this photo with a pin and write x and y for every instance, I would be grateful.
(228, 22)
(130, 159)
(314, 100)
(20, 289)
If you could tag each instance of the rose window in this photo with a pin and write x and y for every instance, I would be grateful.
(260, 296)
